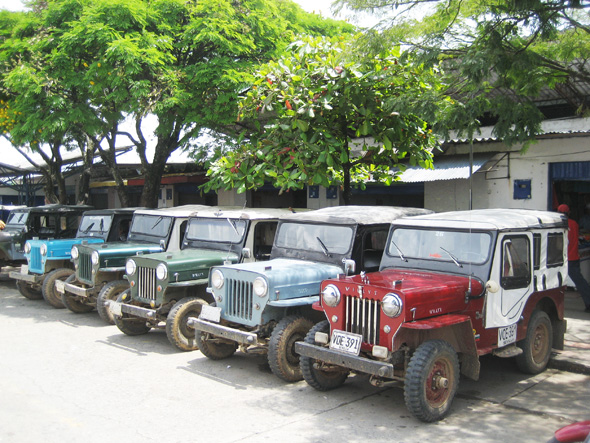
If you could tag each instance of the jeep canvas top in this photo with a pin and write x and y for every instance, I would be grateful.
(264, 306)
(452, 286)
(165, 286)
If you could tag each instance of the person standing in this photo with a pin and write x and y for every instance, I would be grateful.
(573, 257)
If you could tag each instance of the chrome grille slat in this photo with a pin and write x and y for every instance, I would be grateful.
(146, 283)
(84, 266)
(362, 317)
(239, 299)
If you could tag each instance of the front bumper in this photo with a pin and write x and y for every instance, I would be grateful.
(34, 279)
(353, 362)
(63, 287)
(119, 309)
(242, 337)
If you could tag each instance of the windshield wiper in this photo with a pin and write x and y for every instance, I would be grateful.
(101, 225)
(231, 223)
(85, 231)
(452, 257)
(160, 218)
(399, 251)
(325, 249)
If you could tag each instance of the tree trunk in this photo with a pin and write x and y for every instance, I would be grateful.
(109, 158)
(347, 191)
(83, 191)
(153, 174)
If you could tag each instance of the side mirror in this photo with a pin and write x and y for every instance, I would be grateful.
(163, 244)
(349, 266)
(246, 253)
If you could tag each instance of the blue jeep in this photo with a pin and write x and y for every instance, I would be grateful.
(267, 306)
(50, 259)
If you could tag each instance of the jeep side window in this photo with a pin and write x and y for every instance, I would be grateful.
(264, 234)
(536, 251)
(554, 250)
(515, 263)
(373, 246)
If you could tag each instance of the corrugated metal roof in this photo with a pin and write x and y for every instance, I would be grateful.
(450, 167)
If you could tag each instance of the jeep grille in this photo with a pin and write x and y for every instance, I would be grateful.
(84, 267)
(362, 317)
(239, 299)
(146, 283)
(35, 259)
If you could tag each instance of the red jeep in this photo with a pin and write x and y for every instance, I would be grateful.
(451, 287)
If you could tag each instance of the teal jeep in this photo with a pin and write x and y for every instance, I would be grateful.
(167, 288)
(267, 307)
(50, 260)
(99, 269)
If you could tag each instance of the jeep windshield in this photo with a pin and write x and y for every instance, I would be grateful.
(324, 238)
(219, 230)
(458, 247)
(18, 218)
(151, 225)
(92, 224)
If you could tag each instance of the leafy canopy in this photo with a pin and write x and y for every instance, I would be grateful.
(320, 116)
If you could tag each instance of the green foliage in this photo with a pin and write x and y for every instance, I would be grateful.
(330, 118)
(498, 55)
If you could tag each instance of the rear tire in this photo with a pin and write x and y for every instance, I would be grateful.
(536, 345)
(316, 378)
(28, 291)
(110, 291)
(48, 290)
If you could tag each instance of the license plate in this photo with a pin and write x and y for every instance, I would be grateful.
(60, 286)
(24, 269)
(506, 335)
(115, 308)
(211, 313)
(346, 342)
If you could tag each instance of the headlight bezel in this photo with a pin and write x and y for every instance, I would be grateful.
(217, 279)
(74, 253)
(43, 249)
(94, 258)
(260, 287)
(392, 305)
(331, 295)
(162, 269)
(130, 267)
(27, 248)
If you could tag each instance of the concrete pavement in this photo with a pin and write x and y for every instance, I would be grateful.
(576, 354)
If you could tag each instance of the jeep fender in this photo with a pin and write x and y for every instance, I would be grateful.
(456, 330)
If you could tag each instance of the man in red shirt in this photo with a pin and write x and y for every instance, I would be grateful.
(573, 258)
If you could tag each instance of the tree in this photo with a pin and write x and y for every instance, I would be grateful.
(501, 54)
(330, 118)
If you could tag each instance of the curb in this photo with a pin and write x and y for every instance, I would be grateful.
(567, 364)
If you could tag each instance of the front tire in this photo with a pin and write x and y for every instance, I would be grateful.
(536, 345)
(179, 334)
(431, 380)
(48, 290)
(213, 347)
(28, 291)
(316, 378)
(110, 291)
(70, 302)
(130, 326)
(282, 358)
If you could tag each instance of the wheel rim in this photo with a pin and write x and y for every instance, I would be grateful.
(292, 356)
(439, 383)
(540, 343)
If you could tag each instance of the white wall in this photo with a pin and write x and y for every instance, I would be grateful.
(495, 189)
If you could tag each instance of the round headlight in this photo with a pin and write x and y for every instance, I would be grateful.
(27, 248)
(161, 271)
(331, 295)
(74, 252)
(130, 267)
(94, 257)
(392, 305)
(217, 279)
(43, 249)
(260, 287)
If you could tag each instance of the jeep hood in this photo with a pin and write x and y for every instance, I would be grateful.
(289, 278)
(61, 248)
